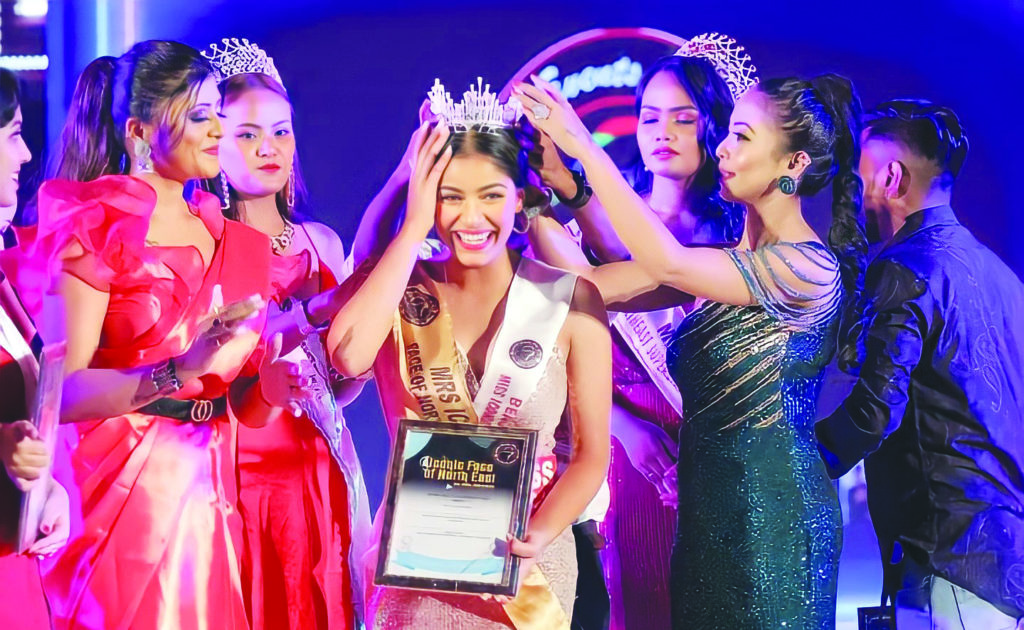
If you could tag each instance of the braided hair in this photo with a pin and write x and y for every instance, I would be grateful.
(822, 118)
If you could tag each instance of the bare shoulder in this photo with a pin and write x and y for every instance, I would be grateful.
(587, 322)
(329, 246)
(323, 235)
(587, 301)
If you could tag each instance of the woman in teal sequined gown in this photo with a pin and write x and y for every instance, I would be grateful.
(759, 529)
(759, 532)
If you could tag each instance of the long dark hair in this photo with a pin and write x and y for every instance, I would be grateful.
(154, 82)
(10, 96)
(822, 118)
(10, 100)
(231, 89)
(714, 102)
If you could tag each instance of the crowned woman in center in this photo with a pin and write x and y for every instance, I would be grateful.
(466, 313)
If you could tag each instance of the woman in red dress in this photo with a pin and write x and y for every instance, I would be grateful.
(24, 456)
(155, 297)
(301, 494)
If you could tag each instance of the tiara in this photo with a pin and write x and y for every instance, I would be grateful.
(479, 108)
(728, 58)
(238, 56)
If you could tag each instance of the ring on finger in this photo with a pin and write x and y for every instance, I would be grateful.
(540, 111)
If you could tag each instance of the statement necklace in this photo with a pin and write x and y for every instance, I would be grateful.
(282, 241)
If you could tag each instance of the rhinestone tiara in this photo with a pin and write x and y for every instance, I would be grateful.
(479, 108)
(728, 58)
(238, 56)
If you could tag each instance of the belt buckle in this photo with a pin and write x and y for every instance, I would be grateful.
(202, 410)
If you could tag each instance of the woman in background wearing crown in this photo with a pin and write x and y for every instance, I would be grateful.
(294, 497)
(136, 279)
(683, 103)
(468, 184)
(759, 529)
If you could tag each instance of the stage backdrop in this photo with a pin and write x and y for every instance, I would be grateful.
(356, 74)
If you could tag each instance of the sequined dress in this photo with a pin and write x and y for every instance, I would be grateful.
(759, 530)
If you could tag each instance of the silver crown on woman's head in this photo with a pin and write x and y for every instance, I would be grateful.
(478, 109)
(238, 56)
(728, 58)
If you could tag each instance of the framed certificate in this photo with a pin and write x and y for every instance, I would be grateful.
(455, 492)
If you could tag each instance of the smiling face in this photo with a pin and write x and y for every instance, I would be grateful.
(13, 153)
(195, 153)
(667, 132)
(753, 156)
(258, 147)
(477, 208)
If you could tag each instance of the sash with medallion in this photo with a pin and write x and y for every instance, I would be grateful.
(429, 382)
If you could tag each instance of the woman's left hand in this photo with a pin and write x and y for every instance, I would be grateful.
(529, 550)
(23, 453)
(55, 524)
(283, 383)
(558, 119)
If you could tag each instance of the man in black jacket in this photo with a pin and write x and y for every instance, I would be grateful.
(938, 407)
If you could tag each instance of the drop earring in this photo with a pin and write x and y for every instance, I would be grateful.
(290, 196)
(225, 203)
(143, 155)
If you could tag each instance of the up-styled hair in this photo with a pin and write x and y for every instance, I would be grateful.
(500, 146)
(714, 102)
(156, 82)
(230, 90)
(10, 96)
(822, 118)
(925, 129)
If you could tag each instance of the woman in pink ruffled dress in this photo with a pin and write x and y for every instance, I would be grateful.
(158, 297)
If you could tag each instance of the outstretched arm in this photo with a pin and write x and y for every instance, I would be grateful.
(365, 316)
(699, 271)
(382, 218)
(597, 230)
(624, 286)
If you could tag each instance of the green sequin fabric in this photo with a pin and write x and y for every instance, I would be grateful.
(759, 531)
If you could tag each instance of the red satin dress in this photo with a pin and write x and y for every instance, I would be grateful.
(293, 500)
(155, 535)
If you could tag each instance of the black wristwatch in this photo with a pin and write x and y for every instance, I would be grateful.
(583, 192)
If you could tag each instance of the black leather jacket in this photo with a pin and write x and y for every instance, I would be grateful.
(938, 410)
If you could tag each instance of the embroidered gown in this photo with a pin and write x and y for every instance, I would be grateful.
(155, 534)
(759, 530)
